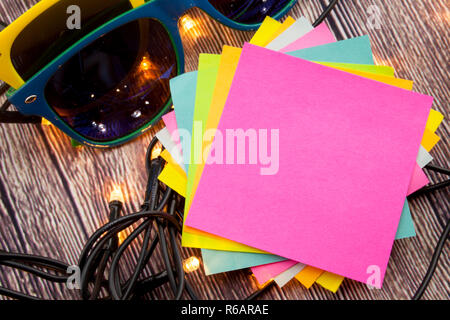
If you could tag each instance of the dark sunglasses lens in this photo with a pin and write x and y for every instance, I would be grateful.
(249, 11)
(117, 84)
(55, 30)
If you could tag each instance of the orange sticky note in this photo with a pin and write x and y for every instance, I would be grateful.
(308, 276)
(429, 140)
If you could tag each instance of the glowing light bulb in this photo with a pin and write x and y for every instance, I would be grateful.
(45, 122)
(187, 23)
(145, 64)
(116, 195)
(192, 264)
(122, 237)
(156, 152)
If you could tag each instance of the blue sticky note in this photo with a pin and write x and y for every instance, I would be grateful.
(216, 261)
(183, 90)
(406, 225)
(357, 50)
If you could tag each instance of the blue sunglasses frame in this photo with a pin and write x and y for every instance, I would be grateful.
(30, 98)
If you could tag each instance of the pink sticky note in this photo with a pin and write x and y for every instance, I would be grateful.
(170, 121)
(343, 149)
(418, 180)
(269, 271)
(317, 37)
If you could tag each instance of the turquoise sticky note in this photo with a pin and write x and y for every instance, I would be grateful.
(355, 50)
(406, 225)
(183, 88)
(223, 261)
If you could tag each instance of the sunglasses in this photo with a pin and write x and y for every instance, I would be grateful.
(107, 82)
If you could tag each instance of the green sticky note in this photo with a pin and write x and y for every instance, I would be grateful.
(206, 80)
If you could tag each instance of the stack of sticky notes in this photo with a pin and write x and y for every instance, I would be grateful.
(295, 155)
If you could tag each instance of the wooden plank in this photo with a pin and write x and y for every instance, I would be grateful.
(54, 196)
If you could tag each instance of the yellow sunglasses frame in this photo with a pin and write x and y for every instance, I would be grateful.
(8, 73)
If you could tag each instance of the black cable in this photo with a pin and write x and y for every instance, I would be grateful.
(259, 292)
(16, 295)
(427, 189)
(39, 273)
(161, 216)
(433, 263)
(177, 254)
(438, 169)
(100, 258)
(4, 88)
(325, 13)
(17, 117)
(434, 187)
(156, 199)
(14, 116)
(114, 281)
(5, 106)
(34, 260)
(142, 261)
(3, 25)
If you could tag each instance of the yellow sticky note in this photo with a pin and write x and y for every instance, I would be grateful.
(434, 120)
(45, 122)
(137, 3)
(308, 276)
(381, 70)
(174, 178)
(429, 140)
(265, 32)
(173, 165)
(330, 281)
(165, 154)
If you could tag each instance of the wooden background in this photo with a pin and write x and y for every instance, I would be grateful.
(54, 196)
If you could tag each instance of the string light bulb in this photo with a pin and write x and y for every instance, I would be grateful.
(191, 264)
(116, 195)
(187, 23)
(189, 26)
(122, 236)
(156, 152)
(45, 122)
(145, 64)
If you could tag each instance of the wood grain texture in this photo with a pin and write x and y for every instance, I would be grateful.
(54, 196)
